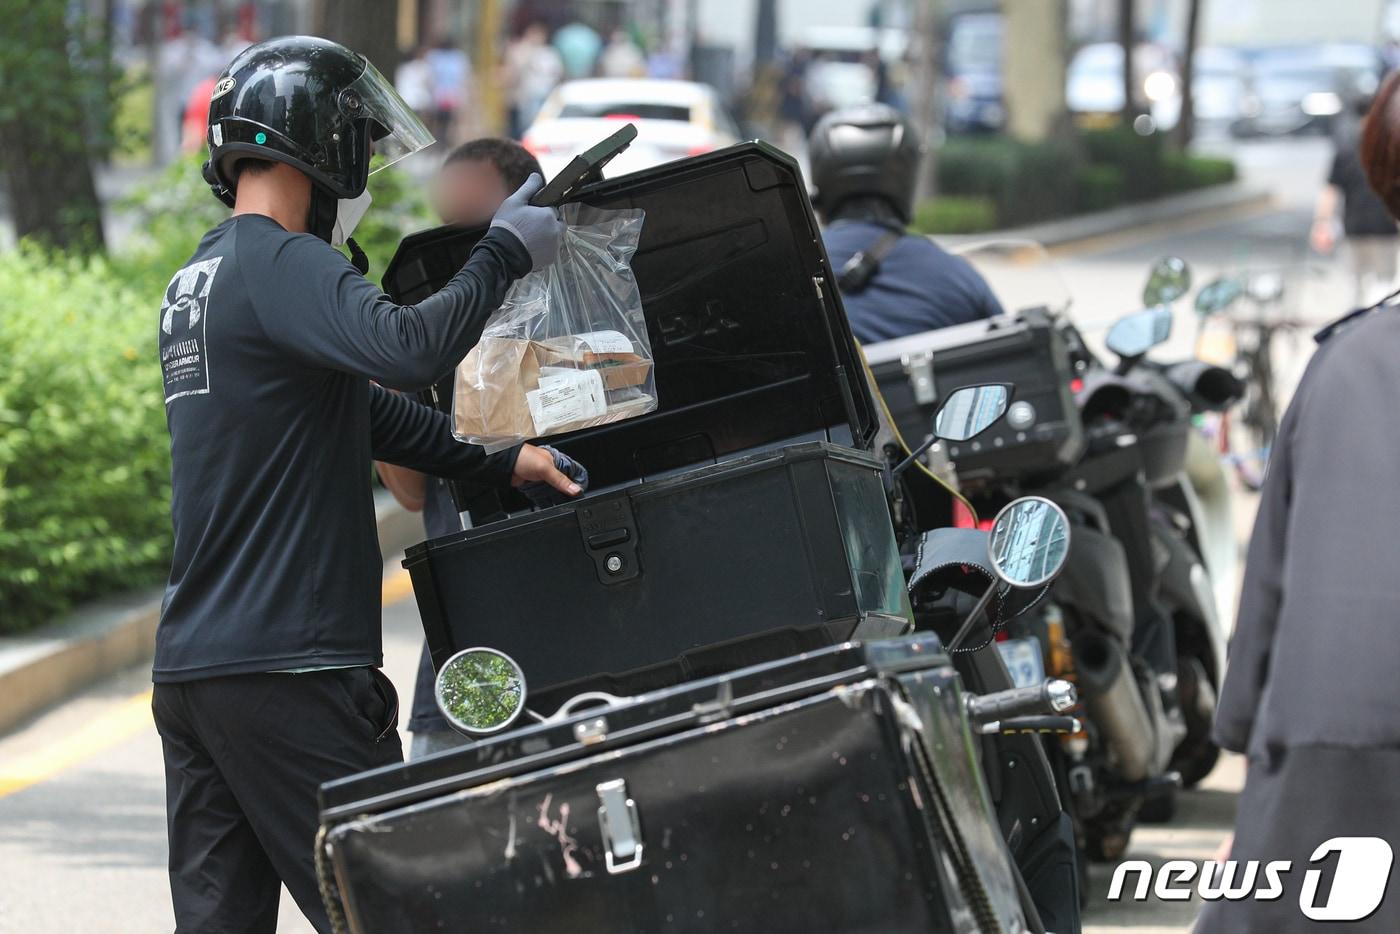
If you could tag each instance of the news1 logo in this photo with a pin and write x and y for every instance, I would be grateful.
(1359, 879)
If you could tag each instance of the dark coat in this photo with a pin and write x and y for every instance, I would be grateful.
(1316, 650)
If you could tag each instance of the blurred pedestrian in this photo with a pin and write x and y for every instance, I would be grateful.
(532, 69)
(451, 72)
(622, 58)
(414, 82)
(1309, 694)
(473, 182)
(794, 107)
(1371, 237)
(578, 45)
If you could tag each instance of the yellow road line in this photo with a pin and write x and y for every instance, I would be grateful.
(120, 723)
(397, 586)
(104, 731)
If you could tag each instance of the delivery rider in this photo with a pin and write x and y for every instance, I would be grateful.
(267, 655)
(865, 164)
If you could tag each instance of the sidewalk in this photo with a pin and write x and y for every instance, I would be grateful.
(45, 666)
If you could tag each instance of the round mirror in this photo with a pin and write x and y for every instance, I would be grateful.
(480, 691)
(1169, 279)
(1136, 334)
(970, 410)
(1265, 287)
(1029, 542)
(1217, 295)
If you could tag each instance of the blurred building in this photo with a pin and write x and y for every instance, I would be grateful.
(1247, 23)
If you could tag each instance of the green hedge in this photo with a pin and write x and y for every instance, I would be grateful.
(84, 459)
(84, 453)
(955, 215)
(1024, 183)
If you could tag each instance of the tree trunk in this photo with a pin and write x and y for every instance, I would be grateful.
(370, 27)
(923, 95)
(1034, 77)
(44, 152)
(1186, 126)
(1127, 37)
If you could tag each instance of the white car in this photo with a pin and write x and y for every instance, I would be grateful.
(674, 119)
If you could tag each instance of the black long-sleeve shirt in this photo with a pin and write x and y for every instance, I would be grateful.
(269, 341)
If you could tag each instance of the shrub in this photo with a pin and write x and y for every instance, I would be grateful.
(1099, 187)
(953, 214)
(1138, 157)
(1025, 181)
(84, 460)
(1183, 172)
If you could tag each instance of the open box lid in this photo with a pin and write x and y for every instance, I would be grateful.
(750, 340)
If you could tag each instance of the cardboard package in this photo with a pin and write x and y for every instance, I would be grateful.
(509, 389)
(608, 352)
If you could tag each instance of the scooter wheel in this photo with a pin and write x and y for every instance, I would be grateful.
(1159, 809)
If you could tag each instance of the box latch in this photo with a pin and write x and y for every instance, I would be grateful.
(621, 827)
(919, 368)
(609, 533)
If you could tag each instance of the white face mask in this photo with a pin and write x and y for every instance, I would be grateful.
(348, 212)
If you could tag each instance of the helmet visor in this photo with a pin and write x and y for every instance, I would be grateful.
(395, 128)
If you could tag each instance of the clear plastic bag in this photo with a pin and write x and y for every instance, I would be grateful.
(568, 349)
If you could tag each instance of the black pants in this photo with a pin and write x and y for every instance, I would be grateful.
(244, 757)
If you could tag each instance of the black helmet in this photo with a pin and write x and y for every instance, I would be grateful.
(867, 151)
(313, 104)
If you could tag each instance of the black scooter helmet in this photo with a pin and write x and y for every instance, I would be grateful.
(312, 104)
(862, 152)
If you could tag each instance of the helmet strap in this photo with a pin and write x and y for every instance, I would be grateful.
(320, 217)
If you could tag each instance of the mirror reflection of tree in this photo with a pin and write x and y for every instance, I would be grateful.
(480, 690)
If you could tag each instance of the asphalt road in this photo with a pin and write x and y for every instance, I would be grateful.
(82, 843)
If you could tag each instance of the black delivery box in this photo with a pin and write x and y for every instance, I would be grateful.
(838, 791)
(1041, 432)
(745, 518)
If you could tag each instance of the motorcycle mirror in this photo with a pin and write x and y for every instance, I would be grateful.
(970, 410)
(1169, 279)
(1136, 334)
(480, 691)
(1266, 287)
(1217, 295)
(1029, 542)
(966, 413)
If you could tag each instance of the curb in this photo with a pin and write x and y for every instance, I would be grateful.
(39, 669)
(1069, 231)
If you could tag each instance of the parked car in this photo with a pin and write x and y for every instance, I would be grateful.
(843, 72)
(1094, 84)
(1305, 89)
(674, 119)
(974, 87)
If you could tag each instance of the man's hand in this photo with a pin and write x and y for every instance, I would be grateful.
(536, 465)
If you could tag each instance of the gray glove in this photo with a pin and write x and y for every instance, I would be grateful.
(537, 229)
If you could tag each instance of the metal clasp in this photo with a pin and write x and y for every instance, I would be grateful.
(919, 368)
(621, 826)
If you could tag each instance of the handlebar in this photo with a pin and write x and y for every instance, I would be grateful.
(1049, 698)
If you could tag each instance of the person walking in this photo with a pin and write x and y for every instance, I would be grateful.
(1347, 203)
(1309, 695)
(266, 671)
